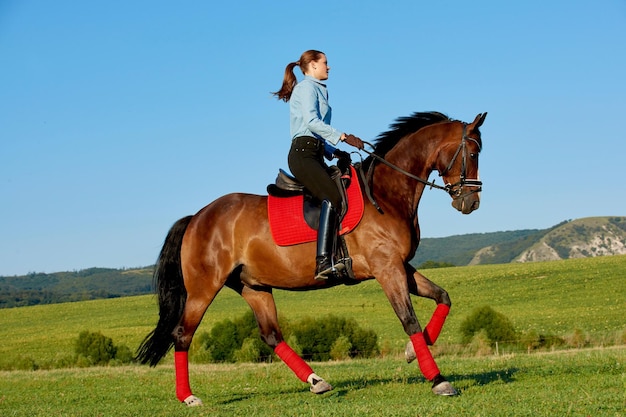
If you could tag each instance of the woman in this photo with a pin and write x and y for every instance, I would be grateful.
(312, 138)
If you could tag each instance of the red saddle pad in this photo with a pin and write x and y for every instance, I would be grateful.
(287, 219)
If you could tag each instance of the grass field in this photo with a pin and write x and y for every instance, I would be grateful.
(573, 383)
(550, 297)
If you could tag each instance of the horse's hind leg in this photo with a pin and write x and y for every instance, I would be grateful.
(262, 304)
(195, 308)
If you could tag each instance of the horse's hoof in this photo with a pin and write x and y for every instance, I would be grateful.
(193, 401)
(409, 352)
(319, 386)
(445, 388)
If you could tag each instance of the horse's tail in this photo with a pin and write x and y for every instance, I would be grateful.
(171, 294)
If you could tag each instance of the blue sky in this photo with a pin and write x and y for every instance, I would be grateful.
(119, 117)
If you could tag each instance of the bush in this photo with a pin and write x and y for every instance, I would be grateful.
(535, 341)
(226, 341)
(317, 336)
(497, 327)
(249, 352)
(292, 341)
(340, 350)
(223, 341)
(95, 348)
(317, 339)
(124, 355)
(480, 345)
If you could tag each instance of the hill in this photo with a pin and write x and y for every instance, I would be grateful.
(86, 284)
(582, 238)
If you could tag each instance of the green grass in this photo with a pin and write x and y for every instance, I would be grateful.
(573, 383)
(551, 297)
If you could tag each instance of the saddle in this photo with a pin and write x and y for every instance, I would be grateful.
(294, 213)
(286, 185)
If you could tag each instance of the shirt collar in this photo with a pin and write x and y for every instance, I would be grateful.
(315, 80)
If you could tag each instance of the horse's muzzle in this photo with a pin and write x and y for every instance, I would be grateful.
(467, 203)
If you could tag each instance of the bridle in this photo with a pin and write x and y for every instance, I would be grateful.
(455, 190)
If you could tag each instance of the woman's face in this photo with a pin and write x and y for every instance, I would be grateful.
(319, 69)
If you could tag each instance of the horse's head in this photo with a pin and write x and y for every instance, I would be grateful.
(425, 142)
(458, 164)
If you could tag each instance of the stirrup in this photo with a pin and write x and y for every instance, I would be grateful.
(332, 271)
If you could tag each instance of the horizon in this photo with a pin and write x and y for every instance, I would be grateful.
(140, 267)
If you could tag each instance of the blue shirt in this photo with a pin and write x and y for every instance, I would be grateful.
(310, 113)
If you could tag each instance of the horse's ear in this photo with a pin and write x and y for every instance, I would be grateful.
(478, 121)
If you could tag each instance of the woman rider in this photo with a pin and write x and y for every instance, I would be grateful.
(312, 138)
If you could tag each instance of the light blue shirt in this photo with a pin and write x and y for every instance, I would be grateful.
(310, 113)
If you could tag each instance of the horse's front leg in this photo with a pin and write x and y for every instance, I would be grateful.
(423, 287)
(397, 291)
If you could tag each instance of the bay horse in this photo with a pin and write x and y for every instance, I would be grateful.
(228, 243)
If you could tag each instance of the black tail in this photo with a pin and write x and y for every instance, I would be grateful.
(171, 293)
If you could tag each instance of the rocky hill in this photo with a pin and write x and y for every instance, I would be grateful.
(586, 237)
(583, 238)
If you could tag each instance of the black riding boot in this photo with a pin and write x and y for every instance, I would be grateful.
(326, 237)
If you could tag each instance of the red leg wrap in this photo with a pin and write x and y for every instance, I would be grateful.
(433, 328)
(424, 357)
(181, 363)
(293, 361)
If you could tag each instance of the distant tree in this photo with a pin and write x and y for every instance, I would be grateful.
(435, 264)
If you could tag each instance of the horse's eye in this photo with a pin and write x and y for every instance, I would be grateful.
(474, 156)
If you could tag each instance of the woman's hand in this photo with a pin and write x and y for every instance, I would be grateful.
(354, 141)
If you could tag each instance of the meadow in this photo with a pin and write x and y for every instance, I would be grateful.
(574, 383)
(554, 298)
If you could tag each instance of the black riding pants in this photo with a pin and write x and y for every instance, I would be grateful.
(306, 162)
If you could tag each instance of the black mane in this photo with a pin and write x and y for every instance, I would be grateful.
(404, 126)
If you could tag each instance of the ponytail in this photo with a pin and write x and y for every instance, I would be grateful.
(289, 79)
(289, 82)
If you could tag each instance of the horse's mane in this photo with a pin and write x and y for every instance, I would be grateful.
(404, 126)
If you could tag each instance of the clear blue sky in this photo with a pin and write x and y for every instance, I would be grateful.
(119, 117)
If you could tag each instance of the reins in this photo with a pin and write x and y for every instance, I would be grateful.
(402, 171)
(453, 189)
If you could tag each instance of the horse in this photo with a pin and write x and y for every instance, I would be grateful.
(228, 243)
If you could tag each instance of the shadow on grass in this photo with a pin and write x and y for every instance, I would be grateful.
(506, 376)
(346, 386)
(235, 398)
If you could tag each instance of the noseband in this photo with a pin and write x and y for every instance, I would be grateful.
(456, 189)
